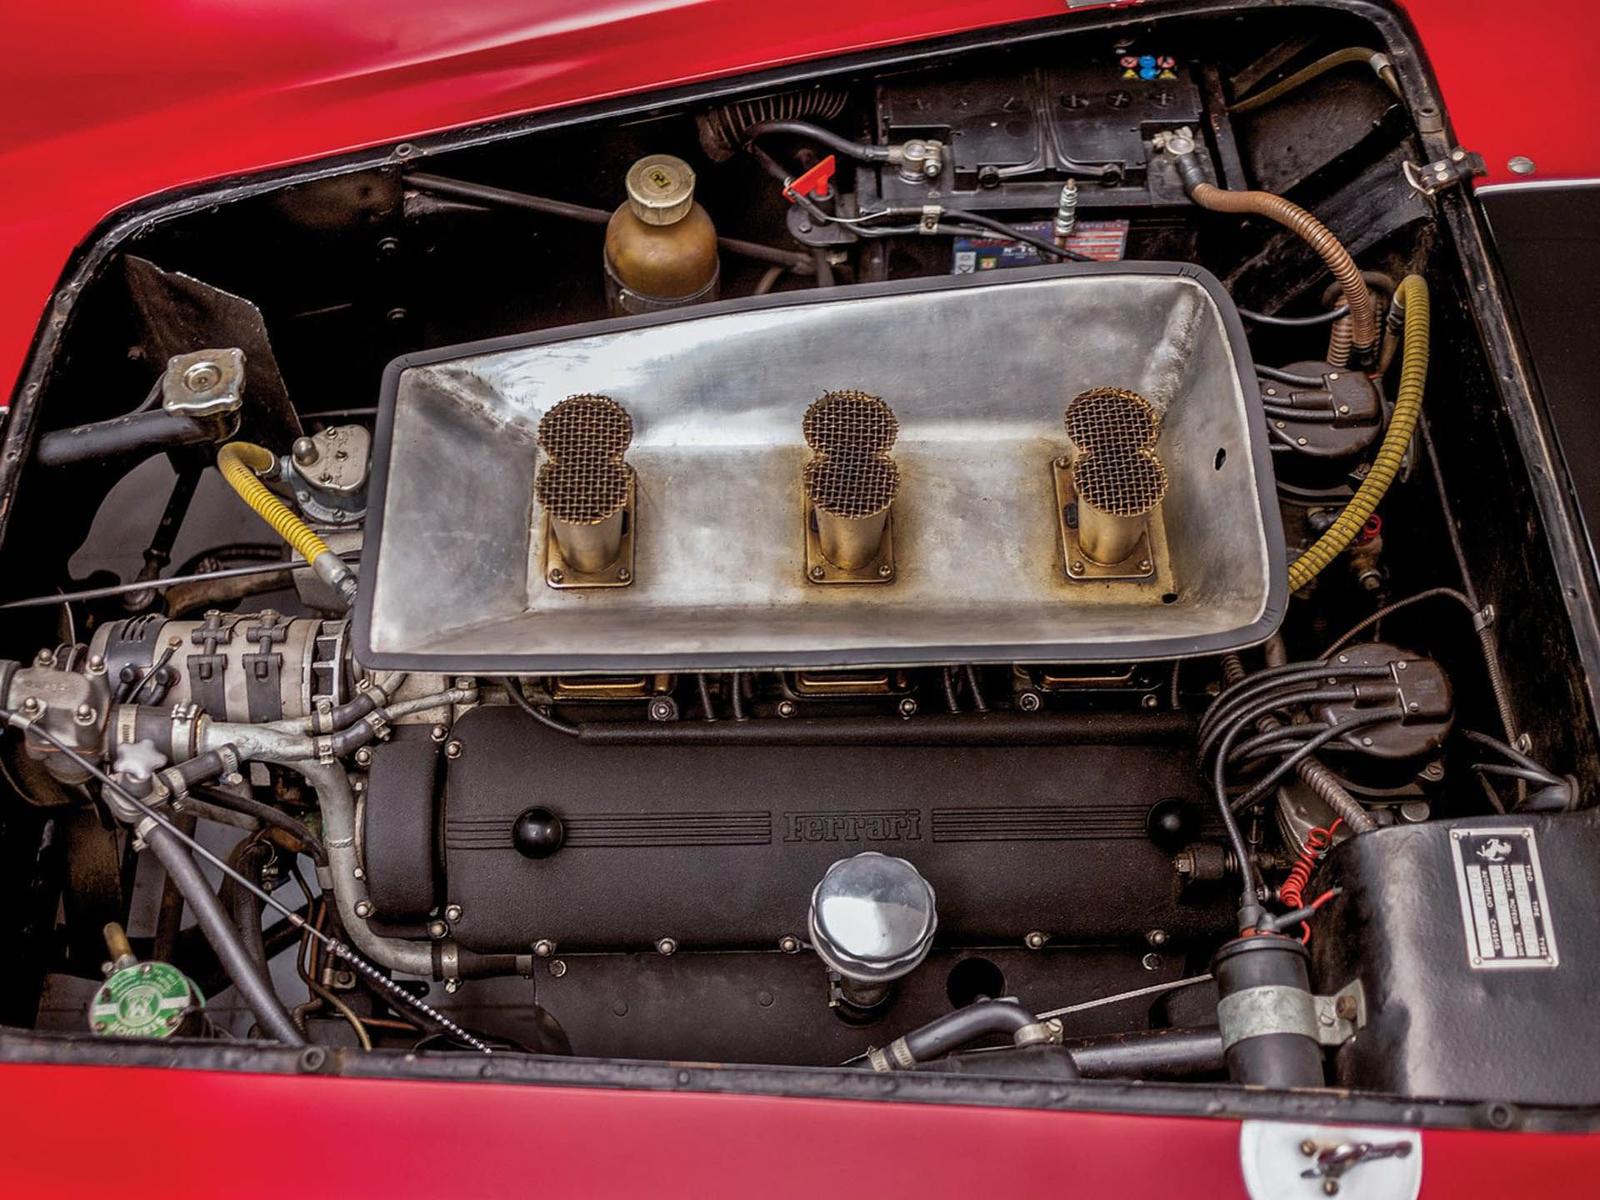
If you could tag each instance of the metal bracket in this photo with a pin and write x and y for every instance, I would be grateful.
(930, 218)
(1454, 168)
(1341, 1014)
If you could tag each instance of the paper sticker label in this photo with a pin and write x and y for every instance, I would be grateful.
(1504, 909)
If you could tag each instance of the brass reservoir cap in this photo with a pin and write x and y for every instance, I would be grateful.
(660, 189)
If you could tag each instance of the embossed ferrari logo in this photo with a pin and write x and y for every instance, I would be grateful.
(893, 825)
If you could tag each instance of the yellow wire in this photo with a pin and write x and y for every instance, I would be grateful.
(1413, 295)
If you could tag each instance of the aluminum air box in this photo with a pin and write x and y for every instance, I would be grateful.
(977, 371)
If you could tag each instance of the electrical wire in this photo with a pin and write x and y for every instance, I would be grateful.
(334, 945)
(514, 690)
(1321, 318)
(1288, 377)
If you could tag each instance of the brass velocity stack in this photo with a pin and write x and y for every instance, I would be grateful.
(850, 485)
(586, 490)
(1116, 475)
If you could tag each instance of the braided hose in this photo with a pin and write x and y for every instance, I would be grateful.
(239, 464)
(1391, 453)
(1363, 324)
(1339, 340)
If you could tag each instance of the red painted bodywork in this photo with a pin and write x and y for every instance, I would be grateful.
(133, 1132)
(112, 101)
(105, 104)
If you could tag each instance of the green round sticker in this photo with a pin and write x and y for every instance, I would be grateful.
(147, 1000)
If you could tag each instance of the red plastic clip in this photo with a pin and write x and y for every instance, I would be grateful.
(815, 183)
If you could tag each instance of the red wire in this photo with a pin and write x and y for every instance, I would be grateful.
(1292, 893)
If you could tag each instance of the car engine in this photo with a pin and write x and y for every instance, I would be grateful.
(1004, 557)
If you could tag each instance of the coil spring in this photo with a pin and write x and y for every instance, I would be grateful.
(1292, 893)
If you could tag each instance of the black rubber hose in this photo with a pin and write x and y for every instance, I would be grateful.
(947, 679)
(968, 729)
(965, 1026)
(1149, 1054)
(267, 815)
(703, 686)
(978, 702)
(1288, 377)
(224, 938)
(143, 433)
(248, 859)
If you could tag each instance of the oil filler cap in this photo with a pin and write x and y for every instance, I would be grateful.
(660, 189)
(872, 918)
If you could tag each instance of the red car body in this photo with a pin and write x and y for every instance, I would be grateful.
(110, 104)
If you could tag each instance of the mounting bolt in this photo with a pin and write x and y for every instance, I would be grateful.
(1434, 771)
(1035, 940)
(96, 665)
(363, 908)
(908, 707)
(817, 572)
(439, 732)
(452, 749)
(452, 986)
(885, 570)
(789, 944)
(556, 575)
(359, 872)
(558, 968)
(666, 947)
(1029, 702)
(1330, 1187)
(452, 913)
(1075, 566)
(304, 451)
(437, 929)
(30, 704)
(1345, 1008)
(1150, 701)
(84, 714)
(1308, 1148)
(662, 709)
(786, 708)
(364, 756)
(544, 948)
(1156, 937)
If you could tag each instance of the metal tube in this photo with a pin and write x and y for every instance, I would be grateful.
(1107, 539)
(590, 547)
(850, 542)
(969, 729)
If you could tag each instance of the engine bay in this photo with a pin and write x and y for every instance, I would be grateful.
(1007, 557)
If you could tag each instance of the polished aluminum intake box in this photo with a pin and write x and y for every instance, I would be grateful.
(977, 370)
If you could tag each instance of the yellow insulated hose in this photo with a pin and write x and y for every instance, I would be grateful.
(1413, 295)
(240, 463)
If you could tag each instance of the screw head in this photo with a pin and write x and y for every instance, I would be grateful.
(452, 986)
(557, 575)
(1345, 1007)
(1520, 164)
(1330, 1187)
(558, 968)
(544, 948)
(817, 572)
(363, 908)
(789, 944)
(1156, 937)
(452, 749)
(1151, 962)
(1029, 702)
(437, 929)
(786, 708)
(666, 947)
(662, 710)
(452, 913)
(908, 707)
(438, 733)
(359, 872)
(84, 714)
(1150, 701)
(1075, 566)
(885, 571)
(624, 575)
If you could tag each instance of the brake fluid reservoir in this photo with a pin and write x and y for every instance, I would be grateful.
(661, 248)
